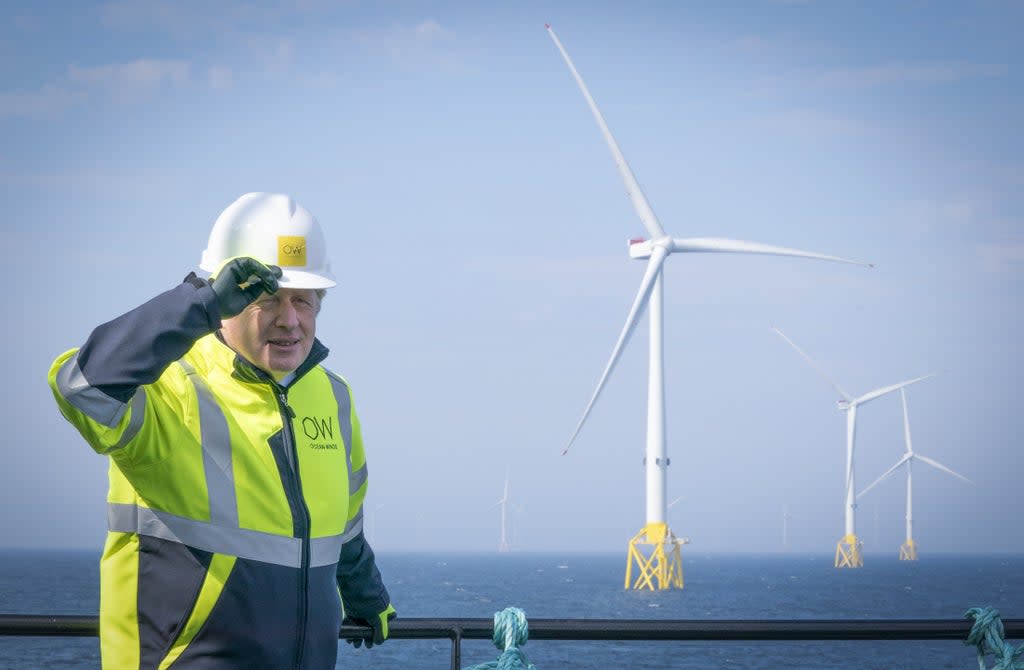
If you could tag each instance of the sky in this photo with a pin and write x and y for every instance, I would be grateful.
(478, 228)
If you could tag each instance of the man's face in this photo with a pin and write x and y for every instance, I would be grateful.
(275, 333)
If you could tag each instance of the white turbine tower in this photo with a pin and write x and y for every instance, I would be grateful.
(658, 570)
(503, 545)
(908, 551)
(849, 548)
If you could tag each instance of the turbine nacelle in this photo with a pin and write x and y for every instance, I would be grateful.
(639, 247)
(843, 404)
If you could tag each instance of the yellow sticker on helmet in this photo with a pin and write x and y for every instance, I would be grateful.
(291, 250)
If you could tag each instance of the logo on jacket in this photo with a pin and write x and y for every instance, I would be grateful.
(320, 431)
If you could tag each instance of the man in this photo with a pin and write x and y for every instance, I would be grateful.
(237, 471)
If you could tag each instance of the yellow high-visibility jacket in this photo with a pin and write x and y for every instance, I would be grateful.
(235, 504)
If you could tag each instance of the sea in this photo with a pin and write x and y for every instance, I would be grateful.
(584, 585)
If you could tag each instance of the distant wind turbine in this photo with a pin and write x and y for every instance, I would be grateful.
(786, 516)
(503, 546)
(372, 532)
(908, 551)
(658, 570)
(849, 548)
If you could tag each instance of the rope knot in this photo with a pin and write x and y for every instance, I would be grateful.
(510, 628)
(987, 635)
(510, 633)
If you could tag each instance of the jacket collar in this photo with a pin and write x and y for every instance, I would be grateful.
(244, 370)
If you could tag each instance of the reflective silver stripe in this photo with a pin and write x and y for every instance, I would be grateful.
(357, 479)
(138, 406)
(250, 544)
(92, 402)
(352, 528)
(325, 550)
(217, 463)
(340, 388)
(349, 534)
(341, 395)
(241, 542)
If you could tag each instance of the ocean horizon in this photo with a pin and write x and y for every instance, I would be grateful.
(568, 584)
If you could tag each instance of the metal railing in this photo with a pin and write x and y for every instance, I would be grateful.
(456, 629)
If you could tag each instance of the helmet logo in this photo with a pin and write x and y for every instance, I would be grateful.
(291, 250)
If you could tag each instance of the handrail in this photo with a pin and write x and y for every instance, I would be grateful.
(458, 629)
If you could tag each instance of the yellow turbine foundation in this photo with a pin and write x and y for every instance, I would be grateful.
(908, 551)
(848, 553)
(658, 563)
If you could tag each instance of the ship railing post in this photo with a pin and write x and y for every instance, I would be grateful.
(456, 635)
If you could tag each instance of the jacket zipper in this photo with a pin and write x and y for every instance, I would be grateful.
(304, 522)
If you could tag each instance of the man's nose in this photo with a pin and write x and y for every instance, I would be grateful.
(287, 316)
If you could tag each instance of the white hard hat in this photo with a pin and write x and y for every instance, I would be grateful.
(273, 229)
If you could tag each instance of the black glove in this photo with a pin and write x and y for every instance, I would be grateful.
(240, 281)
(379, 624)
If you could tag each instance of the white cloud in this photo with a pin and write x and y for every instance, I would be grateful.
(888, 75)
(275, 53)
(122, 82)
(592, 271)
(48, 101)
(814, 122)
(999, 248)
(219, 77)
(128, 78)
(954, 210)
(91, 181)
(425, 44)
(431, 30)
(170, 16)
(895, 74)
(191, 18)
(1006, 259)
(25, 23)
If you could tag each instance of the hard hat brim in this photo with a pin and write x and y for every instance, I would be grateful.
(300, 279)
(288, 279)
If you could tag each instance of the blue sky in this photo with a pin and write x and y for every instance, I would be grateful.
(478, 228)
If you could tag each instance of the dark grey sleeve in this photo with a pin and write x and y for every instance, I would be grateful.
(359, 580)
(135, 348)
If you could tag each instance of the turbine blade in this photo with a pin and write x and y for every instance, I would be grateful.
(877, 393)
(906, 457)
(723, 245)
(658, 256)
(940, 466)
(906, 422)
(636, 195)
(814, 365)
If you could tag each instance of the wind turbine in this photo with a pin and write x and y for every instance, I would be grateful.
(849, 548)
(503, 546)
(372, 531)
(658, 570)
(908, 551)
(786, 516)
